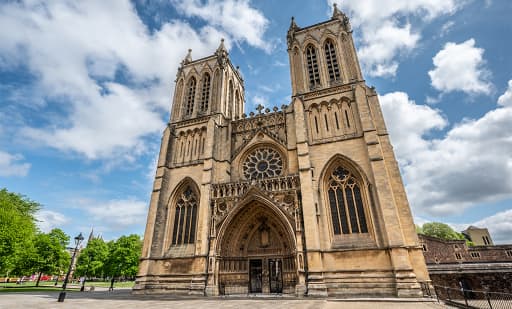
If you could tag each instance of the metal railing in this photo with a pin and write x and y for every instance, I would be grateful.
(463, 298)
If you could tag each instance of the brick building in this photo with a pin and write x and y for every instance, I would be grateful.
(452, 263)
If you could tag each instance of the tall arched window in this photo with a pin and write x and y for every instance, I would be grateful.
(191, 93)
(332, 62)
(205, 96)
(185, 215)
(314, 75)
(237, 104)
(231, 95)
(346, 203)
(178, 96)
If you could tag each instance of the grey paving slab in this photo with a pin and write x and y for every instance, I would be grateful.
(123, 299)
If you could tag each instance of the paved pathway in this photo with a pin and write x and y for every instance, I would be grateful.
(123, 299)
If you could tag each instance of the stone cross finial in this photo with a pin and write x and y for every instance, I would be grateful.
(259, 108)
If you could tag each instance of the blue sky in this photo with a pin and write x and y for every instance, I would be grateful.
(85, 92)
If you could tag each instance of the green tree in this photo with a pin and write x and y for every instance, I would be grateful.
(17, 230)
(440, 230)
(124, 256)
(93, 258)
(48, 254)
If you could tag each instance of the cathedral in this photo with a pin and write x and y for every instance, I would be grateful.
(305, 199)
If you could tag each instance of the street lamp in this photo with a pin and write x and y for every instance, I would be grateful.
(78, 241)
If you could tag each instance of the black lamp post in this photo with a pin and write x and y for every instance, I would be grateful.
(78, 241)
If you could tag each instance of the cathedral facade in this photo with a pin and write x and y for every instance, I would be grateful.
(306, 199)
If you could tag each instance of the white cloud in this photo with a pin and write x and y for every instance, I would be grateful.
(460, 67)
(408, 123)
(384, 34)
(103, 70)
(506, 98)
(48, 220)
(116, 214)
(259, 100)
(446, 28)
(470, 165)
(10, 165)
(499, 225)
(236, 17)
(387, 41)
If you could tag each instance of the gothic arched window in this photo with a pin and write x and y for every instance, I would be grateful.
(230, 98)
(332, 62)
(191, 93)
(314, 75)
(205, 97)
(346, 203)
(185, 215)
(237, 104)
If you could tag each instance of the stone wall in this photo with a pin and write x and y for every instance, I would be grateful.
(481, 268)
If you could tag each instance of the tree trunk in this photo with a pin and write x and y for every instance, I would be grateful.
(39, 278)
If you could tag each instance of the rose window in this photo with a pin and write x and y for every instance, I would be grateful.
(263, 163)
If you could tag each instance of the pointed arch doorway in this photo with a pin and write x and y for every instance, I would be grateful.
(256, 252)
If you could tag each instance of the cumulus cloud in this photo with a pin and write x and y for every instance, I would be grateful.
(384, 34)
(105, 73)
(408, 123)
(460, 67)
(499, 225)
(506, 98)
(236, 17)
(10, 165)
(468, 166)
(48, 220)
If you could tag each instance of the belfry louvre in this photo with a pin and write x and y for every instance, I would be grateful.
(306, 199)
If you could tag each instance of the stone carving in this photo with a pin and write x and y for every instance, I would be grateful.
(281, 190)
(263, 163)
(273, 124)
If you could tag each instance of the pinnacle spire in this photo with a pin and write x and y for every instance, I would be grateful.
(188, 57)
(91, 235)
(335, 11)
(221, 47)
(293, 25)
(222, 54)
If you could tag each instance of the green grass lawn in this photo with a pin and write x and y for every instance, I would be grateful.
(125, 284)
(50, 286)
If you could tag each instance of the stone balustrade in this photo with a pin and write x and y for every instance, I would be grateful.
(275, 184)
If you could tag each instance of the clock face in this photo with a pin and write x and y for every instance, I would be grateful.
(263, 163)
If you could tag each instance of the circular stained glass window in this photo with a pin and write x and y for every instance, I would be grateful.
(263, 163)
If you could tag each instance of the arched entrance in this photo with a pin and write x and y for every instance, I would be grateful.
(256, 252)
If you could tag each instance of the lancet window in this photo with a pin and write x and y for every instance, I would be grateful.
(185, 216)
(205, 96)
(191, 92)
(332, 62)
(312, 61)
(346, 203)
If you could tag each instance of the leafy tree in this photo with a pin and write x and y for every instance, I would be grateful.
(17, 230)
(124, 256)
(48, 254)
(93, 258)
(441, 230)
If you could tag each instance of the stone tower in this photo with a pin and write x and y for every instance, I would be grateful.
(304, 200)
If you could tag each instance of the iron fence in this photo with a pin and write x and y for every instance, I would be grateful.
(463, 298)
